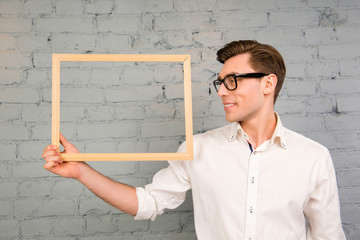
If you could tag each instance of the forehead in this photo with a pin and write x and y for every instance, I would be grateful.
(236, 64)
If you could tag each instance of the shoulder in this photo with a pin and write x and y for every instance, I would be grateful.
(218, 134)
(303, 144)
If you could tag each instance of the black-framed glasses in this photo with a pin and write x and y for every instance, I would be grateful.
(230, 81)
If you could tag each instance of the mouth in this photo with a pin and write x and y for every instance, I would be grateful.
(228, 105)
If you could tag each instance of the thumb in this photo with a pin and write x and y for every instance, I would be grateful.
(64, 141)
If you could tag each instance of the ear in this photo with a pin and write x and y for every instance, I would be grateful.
(270, 84)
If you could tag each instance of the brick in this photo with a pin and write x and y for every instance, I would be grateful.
(294, 18)
(74, 76)
(327, 139)
(36, 113)
(36, 208)
(10, 76)
(62, 42)
(10, 112)
(118, 25)
(339, 51)
(349, 67)
(301, 88)
(16, 60)
(163, 129)
(209, 39)
(67, 189)
(302, 123)
(42, 60)
(41, 132)
(62, 7)
(160, 110)
(285, 36)
(237, 35)
(347, 140)
(163, 145)
(101, 147)
(4, 172)
(5, 208)
(348, 178)
(100, 113)
(166, 222)
(127, 224)
(320, 105)
(232, 5)
(32, 42)
(15, 24)
(13, 132)
(8, 7)
(7, 151)
(128, 6)
(345, 159)
(31, 150)
(41, 188)
(9, 228)
(19, 95)
(107, 131)
(38, 7)
(296, 53)
(323, 3)
(349, 196)
(259, 4)
(7, 41)
(131, 146)
(81, 95)
(344, 122)
(157, 6)
(320, 35)
(231, 20)
(340, 86)
(100, 224)
(71, 113)
(186, 6)
(35, 227)
(347, 34)
(322, 69)
(348, 104)
(141, 76)
(137, 94)
(295, 70)
(289, 106)
(8, 189)
(60, 25)
(105, 77)
(182, 21)
(31, 169)
(99, 7)
(69, 227)
(38, 77)
(115, 169)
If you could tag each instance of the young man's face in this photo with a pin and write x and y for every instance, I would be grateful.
(246, 101)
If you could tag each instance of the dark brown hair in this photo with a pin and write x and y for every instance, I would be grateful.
(263, 58)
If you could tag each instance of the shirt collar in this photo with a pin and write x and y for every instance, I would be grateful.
(237, 132)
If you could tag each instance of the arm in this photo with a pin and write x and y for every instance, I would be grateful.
(119, 195)
(323, 207)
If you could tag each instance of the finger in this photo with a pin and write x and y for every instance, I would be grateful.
(50, 165)
(50, 147)
(56, 159)
(50, 153)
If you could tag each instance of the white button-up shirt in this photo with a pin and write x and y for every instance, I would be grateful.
(251, 195)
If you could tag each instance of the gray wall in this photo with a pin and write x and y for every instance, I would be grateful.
(320, 41)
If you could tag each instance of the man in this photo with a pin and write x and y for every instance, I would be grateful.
(252, 179)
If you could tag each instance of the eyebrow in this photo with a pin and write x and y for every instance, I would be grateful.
(231, 73)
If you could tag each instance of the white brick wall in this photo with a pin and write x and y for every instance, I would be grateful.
(103, 112)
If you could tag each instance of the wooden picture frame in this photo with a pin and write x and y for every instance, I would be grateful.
(185, 59)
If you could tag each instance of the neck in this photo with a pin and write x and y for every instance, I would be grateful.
(260, 128)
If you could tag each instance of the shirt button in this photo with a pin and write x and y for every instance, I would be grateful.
(251, 209)
(252, 180)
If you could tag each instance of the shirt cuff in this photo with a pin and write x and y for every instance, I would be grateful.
(147, 208)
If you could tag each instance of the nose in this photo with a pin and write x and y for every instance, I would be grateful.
(223, 91)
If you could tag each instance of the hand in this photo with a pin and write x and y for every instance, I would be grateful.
(56, 165)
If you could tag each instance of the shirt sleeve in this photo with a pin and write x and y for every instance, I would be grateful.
(323, 208)
(167, 190)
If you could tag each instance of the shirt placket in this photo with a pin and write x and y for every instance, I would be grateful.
(251, 199)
